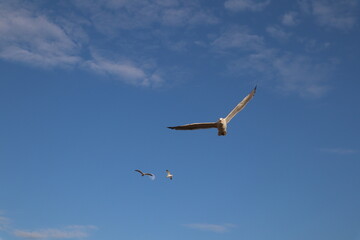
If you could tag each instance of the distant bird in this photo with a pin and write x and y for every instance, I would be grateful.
(152, 176)
(221, 124)
(169, 175)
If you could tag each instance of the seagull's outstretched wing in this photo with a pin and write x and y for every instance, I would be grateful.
(137, 170)
(148, 174)
(194, 126)
(240, 106)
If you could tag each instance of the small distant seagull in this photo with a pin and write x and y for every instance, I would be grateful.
(169, 175)
(221, 124)
(152, 176)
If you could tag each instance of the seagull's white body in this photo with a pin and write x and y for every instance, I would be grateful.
(169, 175)
(221, 124)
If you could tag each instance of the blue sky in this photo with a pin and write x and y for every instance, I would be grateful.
(88, 88)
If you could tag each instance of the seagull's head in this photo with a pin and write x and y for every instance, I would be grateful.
(222, 121)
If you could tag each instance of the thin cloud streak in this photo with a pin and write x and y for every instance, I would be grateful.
(69, 232)
(335, 14)
(243, 5)
(218, 228)
(239, 38)
(126, 71)
(343, 151)
(50, 233)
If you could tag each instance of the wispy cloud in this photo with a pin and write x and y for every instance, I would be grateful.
(277, 32)
(126, 71)
(218, 228)
(4, 222)
(290, 19)
(300, 74)
(289, 72)
(336, 14)
(239, 38)
(339, 150)
(110, 16)
(73, 233)
(242, 5)
(69, 232)
(186, 16)
(31, 38)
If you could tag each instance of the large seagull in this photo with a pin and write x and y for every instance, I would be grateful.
(221, 124)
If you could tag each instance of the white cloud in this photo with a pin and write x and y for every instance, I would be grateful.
(339, 150)
(290, 73)
(242, 5)
(31, 38)
(239, 38)
(277, 32)
(4, 222)
(332, 13)
(110, 16)
(300, 74)
(313, 45)
(70, 232)
(125, 71)
(186, 16)
(218, 228)
(83, 227)
(50, 233)
(290, 19)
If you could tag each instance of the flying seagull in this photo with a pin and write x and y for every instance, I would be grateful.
(221, 124)
(152, 176)
(169, 175)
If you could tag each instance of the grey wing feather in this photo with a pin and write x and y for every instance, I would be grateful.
(194, 126)
(149, 174)
(139, 171)
(240, 106)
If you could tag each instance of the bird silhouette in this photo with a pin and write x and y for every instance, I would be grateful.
(221, 124)
(145, 174)
(169, 175)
